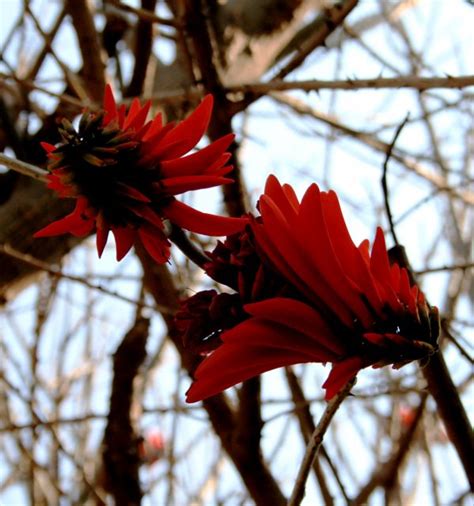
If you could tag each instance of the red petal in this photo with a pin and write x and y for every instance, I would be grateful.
(379, 258)
(124, 240)
(151, 149)
(131, 192)
(156, 244)
(340, 374)
(301, 318)
(148, 214)
(191, 130)
(274, 190)
(229, 365)
(155, 127)
(299, 259)
(177, 185)
(121, 114)
(79, 223)
(137, 116)
(291, 196)
(202, 223)
(380, 269)
(405, 294)
(48, 147)
(103, 229)
(349, 256)
(314, 237)
(198, 162)
(110, 106)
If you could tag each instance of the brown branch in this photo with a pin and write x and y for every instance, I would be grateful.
(143, 46)
(413, 82)
(31, 261)
(438, 181)
(451, 411)
(384, 180)
(144, 14)
(48, 40)
(23, 168)
(255, 474)
(197, 31)
(307, 427)
(93, 66)
(120, 454)
(315, 444)
(330, 19)
(442, 268)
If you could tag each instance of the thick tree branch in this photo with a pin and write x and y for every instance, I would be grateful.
(257, 478)
(315, 444)
(120, 454)
(143, 45)
(93, 66)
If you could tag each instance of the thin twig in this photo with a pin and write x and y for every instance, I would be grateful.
(23, 168)
(443, 268)
(181, 240)
(34, 262)
(315, 443)
(329, 20)
(413, 82)
(144, 14)
(384, 179)
(439, 181)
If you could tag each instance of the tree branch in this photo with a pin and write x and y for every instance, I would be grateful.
(315, 443)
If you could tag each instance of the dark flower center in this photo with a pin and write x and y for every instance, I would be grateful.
(102, 163)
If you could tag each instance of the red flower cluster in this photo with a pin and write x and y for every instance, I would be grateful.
(349, 306)
(125, 173)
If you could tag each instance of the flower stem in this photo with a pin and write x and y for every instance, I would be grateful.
(315, 443)
(181, 240)
(451, 411)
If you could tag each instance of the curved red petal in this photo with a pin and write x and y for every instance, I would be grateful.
(340, 374)
(149, 215)
(202, 223)
(124, 240)
(156, 244)
(299, 259)
(191, 130)
(349, 255)
(136, 115)
(48, 147)
(79, 223)
(177, 185)
(314, 237)
(229, 365)
(271, 335)
(301, 318)
(199, 162)
(275, 191)
(103, 229)
(156, 125)
(131, 192)
(110, 106)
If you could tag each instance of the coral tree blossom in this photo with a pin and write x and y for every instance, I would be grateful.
(346, 305)
(125, 172)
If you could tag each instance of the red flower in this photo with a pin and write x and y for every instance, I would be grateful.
(125, 173)
(353, 309)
